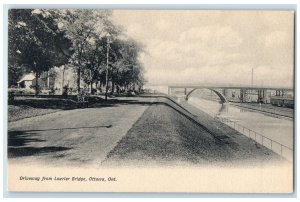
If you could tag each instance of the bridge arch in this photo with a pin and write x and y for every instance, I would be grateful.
(221, 96)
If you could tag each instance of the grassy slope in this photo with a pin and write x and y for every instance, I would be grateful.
(20, 112)
(167, 134)
(25, 108)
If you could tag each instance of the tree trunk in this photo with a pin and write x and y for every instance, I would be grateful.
(36, 82)
(92, 88)
(106, 91)
(112, 85)
(48, 80)
(78, 79)
(63, 80)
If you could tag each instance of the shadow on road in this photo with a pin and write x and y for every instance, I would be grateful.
(21, 138)
(30, 151)
(19, 142)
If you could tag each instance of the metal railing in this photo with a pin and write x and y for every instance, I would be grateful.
(273, 145)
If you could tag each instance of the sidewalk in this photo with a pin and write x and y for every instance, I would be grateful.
(268, 108)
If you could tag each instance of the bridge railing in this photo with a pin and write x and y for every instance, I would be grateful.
(273, 145)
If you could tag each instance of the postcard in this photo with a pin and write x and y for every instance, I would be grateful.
(177, 101)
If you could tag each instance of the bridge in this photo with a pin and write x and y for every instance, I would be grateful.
(237, 93)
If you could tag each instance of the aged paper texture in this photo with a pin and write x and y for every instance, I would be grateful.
(197, 101)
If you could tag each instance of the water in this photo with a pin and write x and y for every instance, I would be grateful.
(157, 88)
(278, 129)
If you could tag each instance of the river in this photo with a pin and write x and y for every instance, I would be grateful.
(278, 129)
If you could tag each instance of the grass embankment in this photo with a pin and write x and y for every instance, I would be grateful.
(23, 111)
(167, 134)
(26, 107)
(31, 106)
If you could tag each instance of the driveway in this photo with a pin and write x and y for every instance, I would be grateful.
(80, 137)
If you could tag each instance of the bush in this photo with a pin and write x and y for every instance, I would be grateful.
(94, 91)
(131, 93)
(45, 92)
(65, 91)
(11, 97)
(20, 91)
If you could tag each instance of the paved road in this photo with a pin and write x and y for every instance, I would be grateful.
(79, 137)
(164, 133)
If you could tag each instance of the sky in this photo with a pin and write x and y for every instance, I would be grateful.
(216, 47)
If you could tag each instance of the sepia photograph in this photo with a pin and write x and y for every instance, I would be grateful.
(122, 100)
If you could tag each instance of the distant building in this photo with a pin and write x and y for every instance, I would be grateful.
(239, 95)
(26, 81)
(57, 78)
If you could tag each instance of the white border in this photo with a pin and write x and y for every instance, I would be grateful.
(163, 4)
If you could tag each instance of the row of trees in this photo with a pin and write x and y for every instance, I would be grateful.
(86, 40)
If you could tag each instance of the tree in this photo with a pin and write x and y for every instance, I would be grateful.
(40, 39)
(127, 69)
(35, 41)
(84, 28)
(95, 60)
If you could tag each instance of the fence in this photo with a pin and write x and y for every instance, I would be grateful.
(275, 146)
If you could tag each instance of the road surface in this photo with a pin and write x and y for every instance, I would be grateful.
(79, 137)
(149, 130)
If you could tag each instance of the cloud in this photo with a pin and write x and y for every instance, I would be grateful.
(214, 46)
(214, 37)
(201, 46)
(263, 75)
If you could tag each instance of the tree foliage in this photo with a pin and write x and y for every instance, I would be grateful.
(40, 39)
(35, 42)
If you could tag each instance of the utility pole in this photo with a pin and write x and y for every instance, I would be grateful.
(36, 79)
(106, 75)
(63, 79)
(48, 80)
